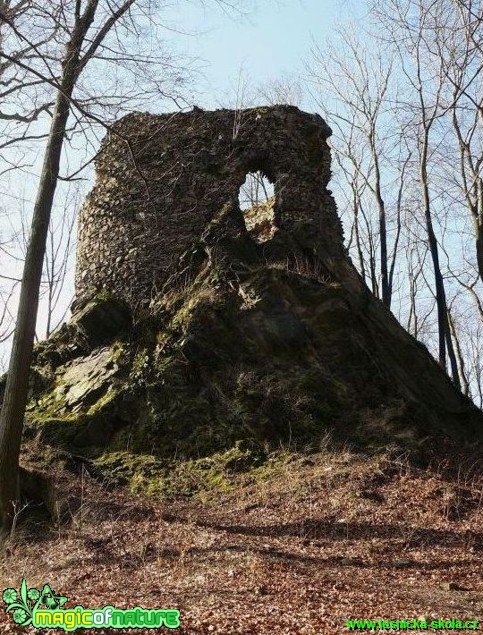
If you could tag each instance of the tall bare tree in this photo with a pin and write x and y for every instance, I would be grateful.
(352, 85)
(460, 48)
(79, 50)
(403, 93)
(413, 27)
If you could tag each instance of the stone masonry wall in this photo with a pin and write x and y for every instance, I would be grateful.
(160, 179)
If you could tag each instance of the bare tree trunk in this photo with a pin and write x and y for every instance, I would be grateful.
(360, 256)
(16, 389)
(385, 288)
(13, 409)
(412, 321)
(479, 249)
(444, 334)
(460, 357)
(439, 290)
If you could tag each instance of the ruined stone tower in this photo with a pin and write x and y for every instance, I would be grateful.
(189, 334)
(162, 179)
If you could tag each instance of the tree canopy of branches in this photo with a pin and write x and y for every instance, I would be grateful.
(403, 92)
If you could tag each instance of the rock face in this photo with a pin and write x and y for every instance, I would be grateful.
(191, 333)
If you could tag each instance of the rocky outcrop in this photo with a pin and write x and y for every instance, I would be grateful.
(198, 326)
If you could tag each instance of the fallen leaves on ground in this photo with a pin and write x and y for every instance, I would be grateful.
(332, 537)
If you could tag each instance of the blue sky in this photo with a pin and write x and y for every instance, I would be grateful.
(270, 41)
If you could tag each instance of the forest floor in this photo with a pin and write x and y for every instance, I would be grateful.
(320, 539)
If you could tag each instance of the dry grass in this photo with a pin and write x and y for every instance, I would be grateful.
(326, 538)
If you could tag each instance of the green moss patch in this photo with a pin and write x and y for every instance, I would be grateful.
(200, 478)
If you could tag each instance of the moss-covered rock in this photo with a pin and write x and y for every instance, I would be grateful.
(84, 402)
(272, 358)
(219, 472)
